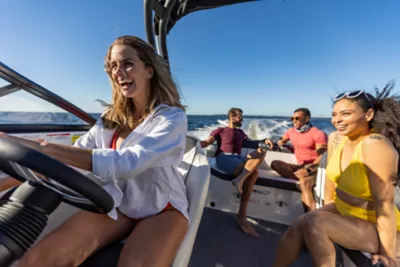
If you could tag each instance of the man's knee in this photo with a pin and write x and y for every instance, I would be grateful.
(257, 154)
(262, 152)
(275, 164)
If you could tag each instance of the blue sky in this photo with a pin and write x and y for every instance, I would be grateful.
(267, 57)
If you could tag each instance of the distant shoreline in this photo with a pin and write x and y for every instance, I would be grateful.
(193, 115)
(256, 116)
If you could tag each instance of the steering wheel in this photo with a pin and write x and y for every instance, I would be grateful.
(20, 161)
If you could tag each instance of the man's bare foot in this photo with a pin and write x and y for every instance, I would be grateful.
(246, 226)
(238, 184)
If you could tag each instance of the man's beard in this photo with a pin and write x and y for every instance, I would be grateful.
(237, 124)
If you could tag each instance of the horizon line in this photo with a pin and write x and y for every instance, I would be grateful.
(221, 114)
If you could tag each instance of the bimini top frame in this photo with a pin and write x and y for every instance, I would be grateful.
(168, 12)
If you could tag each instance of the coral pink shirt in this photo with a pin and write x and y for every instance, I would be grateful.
(304, 144)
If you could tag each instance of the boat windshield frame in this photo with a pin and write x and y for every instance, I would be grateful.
(19, 82)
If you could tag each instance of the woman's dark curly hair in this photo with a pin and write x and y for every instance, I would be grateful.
(386, 120)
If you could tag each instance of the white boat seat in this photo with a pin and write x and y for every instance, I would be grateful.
(267, 177)
(195, 170)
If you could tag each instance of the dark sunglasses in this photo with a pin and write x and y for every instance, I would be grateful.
(295, 118)
(353, 94)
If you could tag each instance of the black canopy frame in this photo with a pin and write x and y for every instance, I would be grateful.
(160, 16)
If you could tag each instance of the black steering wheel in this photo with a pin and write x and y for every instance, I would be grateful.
(20, 161)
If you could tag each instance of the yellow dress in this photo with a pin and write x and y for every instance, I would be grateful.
(354, 181)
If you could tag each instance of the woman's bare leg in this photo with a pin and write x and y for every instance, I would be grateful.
(154, 241)
(326, 228)
(292, 241)
(76, 239)
(8, 182)
(398, 249)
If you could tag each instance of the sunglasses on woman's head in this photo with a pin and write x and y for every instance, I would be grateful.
(353, 94)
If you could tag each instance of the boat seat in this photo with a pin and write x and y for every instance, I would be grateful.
(267, 176)
(195, 170)
(358, 258)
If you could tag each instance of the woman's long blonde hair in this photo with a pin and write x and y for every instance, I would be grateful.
(163, 90)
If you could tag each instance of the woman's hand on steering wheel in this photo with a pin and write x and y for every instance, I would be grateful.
(19, 159)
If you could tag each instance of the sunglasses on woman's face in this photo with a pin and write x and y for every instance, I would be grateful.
(351, 95)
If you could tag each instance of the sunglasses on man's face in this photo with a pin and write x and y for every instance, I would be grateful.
(295, 118)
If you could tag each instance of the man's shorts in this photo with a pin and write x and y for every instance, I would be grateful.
(228, 163)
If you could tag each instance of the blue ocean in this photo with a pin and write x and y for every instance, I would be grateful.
(257, 127)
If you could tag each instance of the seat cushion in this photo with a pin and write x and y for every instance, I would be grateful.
(267, 177)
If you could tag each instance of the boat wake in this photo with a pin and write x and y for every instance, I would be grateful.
(257, 128)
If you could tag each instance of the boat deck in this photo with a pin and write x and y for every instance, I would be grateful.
(221, 243)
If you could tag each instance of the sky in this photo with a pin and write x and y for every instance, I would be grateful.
(267, 57)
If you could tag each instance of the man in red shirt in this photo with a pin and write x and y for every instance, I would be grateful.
(309, 144)
(229, 160)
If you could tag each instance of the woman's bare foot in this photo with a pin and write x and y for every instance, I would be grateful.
(238, 184)
(246, 226)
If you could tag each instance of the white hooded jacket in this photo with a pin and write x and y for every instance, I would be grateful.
(142, 175)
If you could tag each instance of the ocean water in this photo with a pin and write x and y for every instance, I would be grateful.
(256, 127)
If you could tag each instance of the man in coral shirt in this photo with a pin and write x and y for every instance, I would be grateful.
(309, 144)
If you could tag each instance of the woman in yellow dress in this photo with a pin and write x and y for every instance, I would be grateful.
(359, 212)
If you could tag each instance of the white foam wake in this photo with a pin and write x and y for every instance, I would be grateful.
(255, 128)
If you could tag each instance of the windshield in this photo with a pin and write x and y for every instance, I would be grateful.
(23, 101)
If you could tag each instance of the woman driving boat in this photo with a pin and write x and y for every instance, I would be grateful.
(359, 212)
(134, 149)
